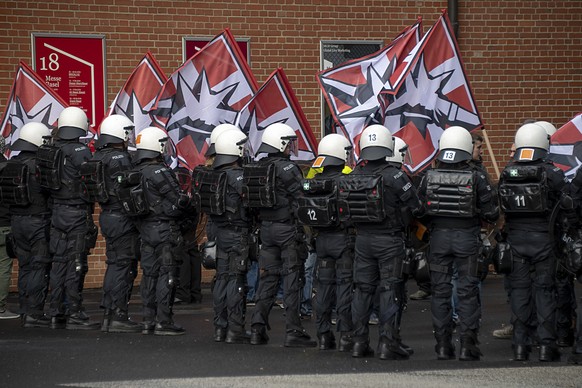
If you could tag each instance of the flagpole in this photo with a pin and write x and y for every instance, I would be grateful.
(495, 166)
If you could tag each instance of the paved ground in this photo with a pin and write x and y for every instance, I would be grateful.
(44, 357)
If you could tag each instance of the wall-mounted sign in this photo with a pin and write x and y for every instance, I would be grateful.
(191, 45)
(74, 67)
(334, 53)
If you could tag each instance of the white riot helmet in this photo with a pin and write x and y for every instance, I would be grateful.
(532, 142)
(401, 153)
(549, 127)
(216, 132)
(72, 123)
(376, 142)
(455, 145)
(333, 150)
(230, 147)
(114, 129)
(31, 137)
(150, 143)
(276, 138)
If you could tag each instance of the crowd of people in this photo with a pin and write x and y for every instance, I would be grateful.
(354, 227)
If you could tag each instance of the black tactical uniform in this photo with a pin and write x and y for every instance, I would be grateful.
(70, 226)
(280, 256)
(122, 244)
(161, 242)
(457, 197)
(379, 253)
(527, 224)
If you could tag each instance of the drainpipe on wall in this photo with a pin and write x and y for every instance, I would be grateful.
(453, 11)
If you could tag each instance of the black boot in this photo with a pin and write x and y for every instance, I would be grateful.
(521, 352)
(237, 337)
(168, 328)
(299, 339)
(58, 322)
(391, 350)
(120, 323)
(346, 343)
(326, 341)
(219, 334)
(362, 349)
(549, 353)
(444, 348)
(35, 320)
(106, 320)
(80, 321)
(469, 350)
(259, 336)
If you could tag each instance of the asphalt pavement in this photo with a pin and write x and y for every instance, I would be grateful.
(44, 357)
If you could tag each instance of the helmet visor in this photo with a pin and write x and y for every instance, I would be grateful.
(406, 155)
(350, 159)
(292, 145)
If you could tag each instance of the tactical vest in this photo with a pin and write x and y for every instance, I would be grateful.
(209, 190)
(14, 184)
(93, 185)
(131, 194)
(318, 206)
(524, 189)
(259, 185)
(451, 193)
(361, 198)
(49, 164)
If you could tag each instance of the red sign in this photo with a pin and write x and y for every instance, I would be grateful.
(193, 45)
(74, 67)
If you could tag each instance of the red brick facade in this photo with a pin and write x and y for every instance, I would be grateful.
(523, 58)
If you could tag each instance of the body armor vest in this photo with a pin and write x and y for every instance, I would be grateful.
(131, 194)
(49, 162)
(14, 184)
(318, 206)
(451, 193)
(209, 189)
(524, 189)
(93, 185)
(259, 185)
(361, 198)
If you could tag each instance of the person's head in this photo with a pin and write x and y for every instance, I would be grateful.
(229, 147)
(278, 138)
(401, 153)
(216, 132)
(512, 151)
(532, 142)
(150, 143)
(333, 150)
(114, 129)
(455, 145)
(31, 137)
(376, 142)
(72, 123)
(477, 146)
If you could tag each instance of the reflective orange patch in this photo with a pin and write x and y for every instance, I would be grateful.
(526, 154)
(138, 139)
(318, 162)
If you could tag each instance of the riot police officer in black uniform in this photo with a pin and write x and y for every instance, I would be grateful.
(161, 238)
(121, 235)
(279, 253)
(30, 228)
(380, 248)
(530, 188)
(231, 223)
(334, 246)
(70, 225)
(457, 197)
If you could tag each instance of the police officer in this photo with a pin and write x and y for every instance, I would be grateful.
(334, 247)
(232, 234)
(279, 253)
(380, 249)
(70, 225)
(457, 196)
(530, 188)
(160, 233)
(119, 231)
(30, 229)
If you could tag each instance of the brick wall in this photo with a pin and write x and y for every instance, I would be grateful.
(523, 58)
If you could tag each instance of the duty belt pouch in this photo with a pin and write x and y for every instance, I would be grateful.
(14, 184)
(259, 185)
(318, 206)
(209, 255)
(523, 190)
(360, 198)
(503, 258)
(49, 162)
(131, 194)
(450, 193)
(93, 186)
(209, 190)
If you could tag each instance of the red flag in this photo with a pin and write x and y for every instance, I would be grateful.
(30, 100)
(275, 102)
(435, 95)
(352, 88)
(566, 146)
(209, 89)
(139, 93)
